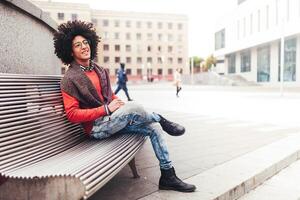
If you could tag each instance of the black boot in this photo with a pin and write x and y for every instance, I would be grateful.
(169, 181)
(171, 127)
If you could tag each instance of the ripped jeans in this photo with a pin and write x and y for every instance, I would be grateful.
(132, 118)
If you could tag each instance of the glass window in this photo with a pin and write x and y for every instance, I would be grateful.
(74, 16)
(180, 38)
(220, 39)
(170, 37)
(159, 60)
(117, 47)
(159, 25)
(105, 22)
(170, 60)
(128, 60)
(258, 21)
(170, 71)
(263, 64)
(170, 25)
(139, 60)
(128, 71)
(231, 63)
(61, 16)
(139, 71)
(290, 52)
(95, 21)
(149, 36)
(159, 71)
(105, 59)
(179, 60)
(128, 24)
(117, 23)
(105, 35)
(179, 26)
(149, 48)
(149, 60)
(106, 47)
(138, 24)
(149, 24)
(117, 59)
(138, 36)
(170, 49)
(128, 47)
(159, 48)
(128, 36)
(246, 61)
(160, 37)
(117, 36)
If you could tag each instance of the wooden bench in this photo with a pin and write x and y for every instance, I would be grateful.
(45, 157)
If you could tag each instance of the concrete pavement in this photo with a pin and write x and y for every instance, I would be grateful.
(216, 134)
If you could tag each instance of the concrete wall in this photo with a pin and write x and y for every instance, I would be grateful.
(26, 45)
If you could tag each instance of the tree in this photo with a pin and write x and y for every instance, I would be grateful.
(210, 61)
(197, 62)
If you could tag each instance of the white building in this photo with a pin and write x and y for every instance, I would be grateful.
(247, 41)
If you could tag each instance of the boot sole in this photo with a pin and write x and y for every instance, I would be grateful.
(171, 188)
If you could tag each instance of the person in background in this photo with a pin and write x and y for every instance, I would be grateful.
(89, 100)
(122, 81)
(177, 80)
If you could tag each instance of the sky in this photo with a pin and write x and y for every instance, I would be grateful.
(202, 15)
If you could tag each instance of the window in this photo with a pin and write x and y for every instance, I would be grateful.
(246, 61)
(117, 47)
(244, 27)
(159, 48)
(170, 49)
(61, 16)
(159, 60)
(106, 47)
(117, 36)
(179, 60)
(138, 36)
(95, 21)
(117, 59)
(290, 52)
(231, 63)
(128, 36)
(159, 25)
(251, 24)
(149, 25)
(149, 60)
(149, 48)
(105, 22)
(287, 10)
(159, 71)
(138, 24)
(128, 71)
(179, 26)
(128, 60)
(128, 48)
(263, 64)
(170, 71)
(139, 72)
(170, 60)
(105, 35)
(139, 60)
(128, 24)
(267, 17)
(238, 30)
(180, 38)
(139, 48)
(220, 39)
(149, 36)
(160, 37)
(258, 20)
(105, 59)
(170, 37)
(74, 16)
(117, 23)
(170, 25)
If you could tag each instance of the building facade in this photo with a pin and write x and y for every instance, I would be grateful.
(248, 41)
(150, 44)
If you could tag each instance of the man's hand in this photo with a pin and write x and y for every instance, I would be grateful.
(115, 104)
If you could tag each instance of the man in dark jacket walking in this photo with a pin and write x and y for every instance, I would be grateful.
(122, 81)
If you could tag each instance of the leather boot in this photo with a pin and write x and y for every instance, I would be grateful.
(171, 127)
(169, 181)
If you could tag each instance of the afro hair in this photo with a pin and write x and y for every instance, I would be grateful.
(65, 34)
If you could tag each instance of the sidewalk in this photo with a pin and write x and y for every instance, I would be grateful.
(212, 139)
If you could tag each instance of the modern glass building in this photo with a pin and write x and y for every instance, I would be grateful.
(248, 41)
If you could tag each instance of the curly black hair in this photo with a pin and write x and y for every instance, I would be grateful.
(65, 34)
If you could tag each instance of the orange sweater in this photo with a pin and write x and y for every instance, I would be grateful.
(87, 117)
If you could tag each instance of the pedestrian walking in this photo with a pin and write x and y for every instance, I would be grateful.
(122, 81)
(177, 80)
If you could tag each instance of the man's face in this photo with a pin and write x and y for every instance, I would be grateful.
(81, 48)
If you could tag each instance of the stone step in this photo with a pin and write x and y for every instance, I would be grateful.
(233, 179)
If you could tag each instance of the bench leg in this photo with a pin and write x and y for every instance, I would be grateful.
(133, 168)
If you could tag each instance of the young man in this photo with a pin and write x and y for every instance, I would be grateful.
(122, 81)
(89, 100)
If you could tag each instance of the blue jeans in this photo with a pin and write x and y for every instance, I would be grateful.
(132, 118)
